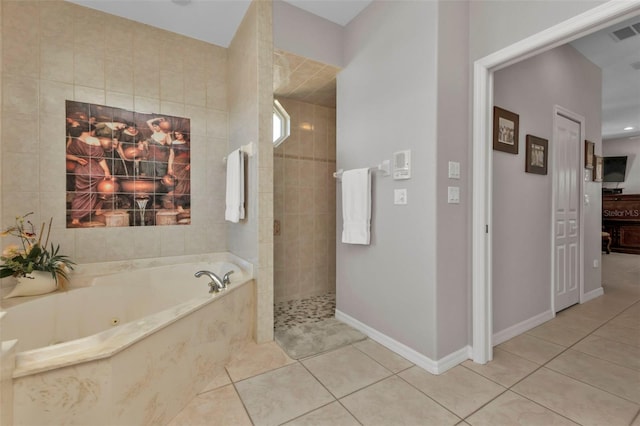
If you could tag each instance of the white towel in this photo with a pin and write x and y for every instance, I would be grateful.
(234, 210)
(356, 206)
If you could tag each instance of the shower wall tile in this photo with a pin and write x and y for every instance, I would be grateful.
(303, 191)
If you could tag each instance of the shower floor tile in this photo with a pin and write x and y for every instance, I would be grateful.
(293, 313)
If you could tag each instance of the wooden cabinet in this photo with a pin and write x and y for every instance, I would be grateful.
(621, 218)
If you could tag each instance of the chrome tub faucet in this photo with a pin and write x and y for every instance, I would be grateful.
(216, 284)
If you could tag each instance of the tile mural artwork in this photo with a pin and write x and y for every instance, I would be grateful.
(126, 168)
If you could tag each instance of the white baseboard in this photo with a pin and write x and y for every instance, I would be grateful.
(433, 367)
(526, 325)
(592, 294)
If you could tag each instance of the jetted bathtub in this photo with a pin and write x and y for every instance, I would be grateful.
(130, 347)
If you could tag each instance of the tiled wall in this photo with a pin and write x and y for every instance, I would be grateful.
(305, 203)
(53, 51)
(250, 120)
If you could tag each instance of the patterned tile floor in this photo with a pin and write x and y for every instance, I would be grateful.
(297, 312)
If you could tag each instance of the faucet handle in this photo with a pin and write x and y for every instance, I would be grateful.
(226, 280)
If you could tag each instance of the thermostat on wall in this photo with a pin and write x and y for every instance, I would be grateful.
(402, 165)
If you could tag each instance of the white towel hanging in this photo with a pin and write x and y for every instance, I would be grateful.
(356, 206)
(234, 210)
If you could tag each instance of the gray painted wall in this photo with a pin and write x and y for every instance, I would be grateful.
(453, 230)
(305, 34)
(386, 103)
(630, 148)
(498, 24)
(418, 268)
(522, 209)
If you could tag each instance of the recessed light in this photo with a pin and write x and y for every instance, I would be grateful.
(628, 128)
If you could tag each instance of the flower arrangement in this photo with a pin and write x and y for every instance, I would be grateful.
(33, 255)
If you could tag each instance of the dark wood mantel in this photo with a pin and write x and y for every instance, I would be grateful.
(621, 218)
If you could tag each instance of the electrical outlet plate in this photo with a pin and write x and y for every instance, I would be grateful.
(453, 193)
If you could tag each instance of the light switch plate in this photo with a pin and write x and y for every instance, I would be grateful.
(400, 196)
(454, 170)
(453, 195)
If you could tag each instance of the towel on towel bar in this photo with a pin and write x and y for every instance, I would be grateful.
(356, 206)
(234, 210)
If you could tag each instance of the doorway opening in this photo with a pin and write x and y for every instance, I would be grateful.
(305, 209)
(482, 226)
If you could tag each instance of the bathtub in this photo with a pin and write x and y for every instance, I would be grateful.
(129, 347)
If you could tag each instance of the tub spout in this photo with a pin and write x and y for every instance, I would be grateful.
(226, 280)
(216, 283)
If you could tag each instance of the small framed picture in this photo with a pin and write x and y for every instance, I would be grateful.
(588, 154)
(505, 130)
(598, 168)
(537, 155)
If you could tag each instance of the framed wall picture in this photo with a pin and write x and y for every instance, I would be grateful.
(505, 130)
(598, 168)
(588, 154)
(537, 155)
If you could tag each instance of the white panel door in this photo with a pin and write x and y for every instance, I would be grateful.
(566, 250)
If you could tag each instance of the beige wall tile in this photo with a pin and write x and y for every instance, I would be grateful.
(19, 134)
(89, 94)
(56, 61)
(303, 187)
(88, 67)
(119, 75)
(20, 52)
(20, 95)
(52, 96)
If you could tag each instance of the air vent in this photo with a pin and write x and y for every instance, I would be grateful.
(624, 33)
(636, 27)
(636, 66)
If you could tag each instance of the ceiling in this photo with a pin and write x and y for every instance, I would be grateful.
(303, 79)
(620, 64)
(215, 21)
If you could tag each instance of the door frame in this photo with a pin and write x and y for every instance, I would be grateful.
(580, 120)
(588, 22)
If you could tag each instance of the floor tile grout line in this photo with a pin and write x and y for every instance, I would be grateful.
(637, 416)
(592, 385)
(264, 372)
(373, 359)
(244, 406)
(378, 381)
(426, 394)
(540, 366)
